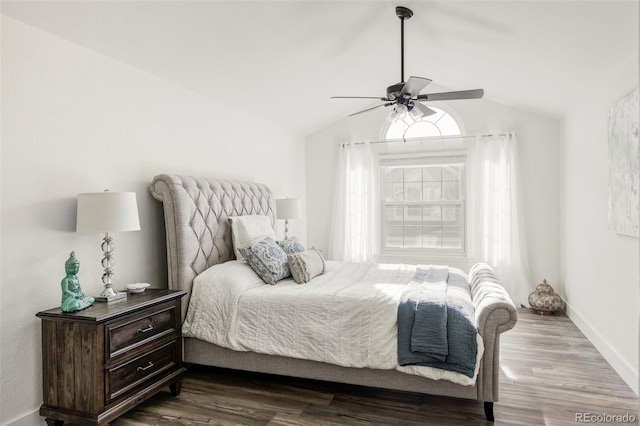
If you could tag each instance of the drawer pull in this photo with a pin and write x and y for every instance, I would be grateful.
(144, 330)
(145, 368)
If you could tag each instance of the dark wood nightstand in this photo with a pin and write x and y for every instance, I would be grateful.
(102, 361)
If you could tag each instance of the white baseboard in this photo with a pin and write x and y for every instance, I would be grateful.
(628, 372)
(30, 419)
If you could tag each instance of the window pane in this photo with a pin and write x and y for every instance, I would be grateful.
(393, 216)
(422, 129)
(395, 192)
(452, 215)
(412, 237)
(413, 174)
(393, 236)
(432, 191)
(431, 237)
(451, 172)
(434, 118)
(451, 190)
(452, 238)
(432, 174)
(413, 191)
(431, 215)
(413, 216)
(448, 126)
(396, 130)
(395, 174)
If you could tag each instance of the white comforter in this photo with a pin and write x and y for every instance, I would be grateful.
(346, 316)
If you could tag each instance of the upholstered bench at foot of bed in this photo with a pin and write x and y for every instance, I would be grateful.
(495, 314)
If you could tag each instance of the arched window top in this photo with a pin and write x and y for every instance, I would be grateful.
(441, 123)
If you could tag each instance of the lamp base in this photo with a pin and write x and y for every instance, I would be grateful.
(112, 298)
(110, 295)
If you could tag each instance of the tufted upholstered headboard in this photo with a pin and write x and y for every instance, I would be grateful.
(195, 216)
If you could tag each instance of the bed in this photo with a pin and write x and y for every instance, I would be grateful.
(198, 236)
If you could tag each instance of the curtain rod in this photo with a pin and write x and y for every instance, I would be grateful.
(431, 138)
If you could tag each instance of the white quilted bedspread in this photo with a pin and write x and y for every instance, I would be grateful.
(346, 316)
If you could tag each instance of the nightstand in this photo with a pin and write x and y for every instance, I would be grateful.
(102, 361)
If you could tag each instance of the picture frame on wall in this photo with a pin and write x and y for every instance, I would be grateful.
(624, 213)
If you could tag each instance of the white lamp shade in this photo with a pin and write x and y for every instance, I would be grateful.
(107, 212)
(288, 208)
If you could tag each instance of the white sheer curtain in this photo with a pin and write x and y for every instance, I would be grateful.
(496, 229)
(353, 231)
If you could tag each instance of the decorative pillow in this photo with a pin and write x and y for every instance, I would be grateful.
(246, 230)
(306, 265)
(267, 259)
(291, 245)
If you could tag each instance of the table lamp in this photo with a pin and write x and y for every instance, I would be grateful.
(107, 212)
(288, 208)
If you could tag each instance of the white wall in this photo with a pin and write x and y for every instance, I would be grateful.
(600, 268)
(75, 121)
(538, 139)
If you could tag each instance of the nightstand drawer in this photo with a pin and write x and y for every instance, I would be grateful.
(138, 329)
(129, 375)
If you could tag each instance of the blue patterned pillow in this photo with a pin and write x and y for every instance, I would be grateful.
(268, 260)
(291, 245)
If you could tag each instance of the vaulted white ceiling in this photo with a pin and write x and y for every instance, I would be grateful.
(283, 59)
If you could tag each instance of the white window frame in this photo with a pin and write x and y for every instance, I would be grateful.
(433, 147)
(424, 159)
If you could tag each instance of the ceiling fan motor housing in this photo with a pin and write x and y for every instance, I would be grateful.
(394, 90)
(394, 93)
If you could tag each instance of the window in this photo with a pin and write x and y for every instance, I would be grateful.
(423, 203)
(423, 194)
(439, 124)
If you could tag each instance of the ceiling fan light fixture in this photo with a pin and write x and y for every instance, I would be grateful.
(399, 112)
(416, 114)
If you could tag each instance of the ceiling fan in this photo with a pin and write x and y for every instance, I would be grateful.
(406, 95)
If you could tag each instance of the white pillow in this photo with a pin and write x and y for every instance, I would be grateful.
(246, 230)
(305, 265)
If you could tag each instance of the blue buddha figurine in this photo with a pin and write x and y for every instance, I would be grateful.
(72, 297)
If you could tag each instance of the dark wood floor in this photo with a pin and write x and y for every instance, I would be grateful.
(550, 373)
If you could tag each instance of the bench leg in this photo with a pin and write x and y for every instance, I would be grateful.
(488, 410)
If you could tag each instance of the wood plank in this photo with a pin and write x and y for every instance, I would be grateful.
(549, 373)
(49, 380)
(65, 364)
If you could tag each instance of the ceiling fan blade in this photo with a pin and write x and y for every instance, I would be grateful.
(414, 85)
(425, 110)
(449, 96)
(359, 97)
(369, 109)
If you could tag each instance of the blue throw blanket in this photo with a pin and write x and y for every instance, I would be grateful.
(436, 322)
